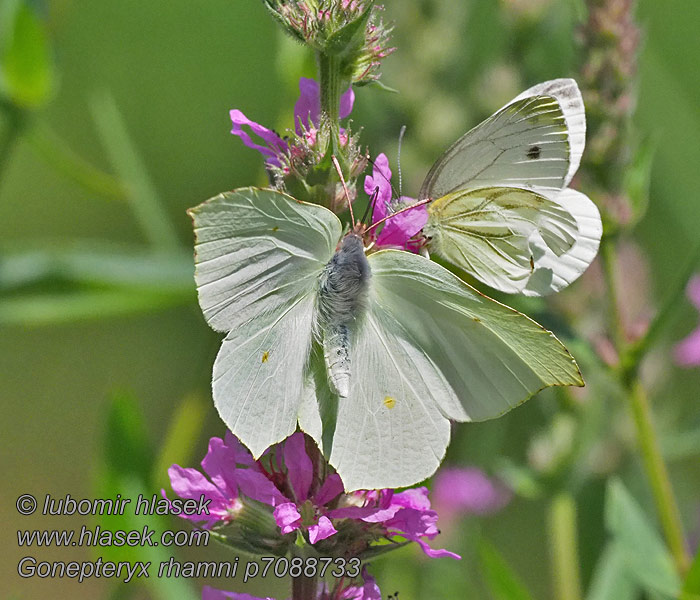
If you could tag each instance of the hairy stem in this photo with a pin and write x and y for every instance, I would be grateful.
(304, 588)
(331, 84)
(563, 534)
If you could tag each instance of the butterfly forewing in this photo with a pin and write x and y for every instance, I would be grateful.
(522, 145)
(258, 256)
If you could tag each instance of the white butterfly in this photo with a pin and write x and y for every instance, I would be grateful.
(501, 209)
(402, 345)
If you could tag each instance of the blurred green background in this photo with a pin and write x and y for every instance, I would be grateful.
(97, 305)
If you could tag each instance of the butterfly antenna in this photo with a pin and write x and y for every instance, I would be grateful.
(394, 193)
(370, 206)
(398, 212)
(345, 187)
(398, 158)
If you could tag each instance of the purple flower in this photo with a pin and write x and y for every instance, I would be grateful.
(397, 231)
(232, 472)
(687, 352)
(460, 491)
(369, 590)
(283, 479)
(307, 111)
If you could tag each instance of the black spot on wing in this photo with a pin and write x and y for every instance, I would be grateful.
(534, 152)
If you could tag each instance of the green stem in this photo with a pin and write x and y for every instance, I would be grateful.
(304, 588)
(657, 473)
(563, 546)
(331, 84)
(653, 462)
(615, 322)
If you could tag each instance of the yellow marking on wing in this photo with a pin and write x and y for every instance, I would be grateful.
(389, 402)
(265, 356)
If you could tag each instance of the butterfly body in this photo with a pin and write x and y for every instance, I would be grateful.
(341, 298)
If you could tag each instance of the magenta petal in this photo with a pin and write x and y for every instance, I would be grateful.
(379, 180)
(220, 465)
(687, 352)
(299, 466)
(191, 484)
(242, 454)
(307, 109)
(413, 498)
(210, 593)
(364, 513)
(437, 553)
(332, 487)
(370, 589)
(399, 229)
(287, 517)
(274, 144)
(468, 490)
(323, 530)
(346, 102)
(412, 523)
(258, 487)
(693, 291)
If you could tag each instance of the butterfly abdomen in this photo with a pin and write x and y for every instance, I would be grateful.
(342, 292)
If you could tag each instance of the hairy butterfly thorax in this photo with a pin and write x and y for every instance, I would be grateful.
(341, 298)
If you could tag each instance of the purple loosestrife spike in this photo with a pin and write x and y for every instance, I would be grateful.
(687, 352)
(335, 28)
(303, 148)
(283, 480)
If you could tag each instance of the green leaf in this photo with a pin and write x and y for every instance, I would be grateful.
(127, 447)
(647, 559)
(141, 192)
(610, 578)
(502, 581)
(691, 585)
(183, 431)
(125, 467)
(349, 39)
(26, 70)
(638, 177)
(97, 264)
(42, 308)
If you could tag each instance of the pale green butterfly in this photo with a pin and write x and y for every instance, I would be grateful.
(501, 209)
(371, 355)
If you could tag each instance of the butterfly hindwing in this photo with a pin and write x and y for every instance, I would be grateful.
(429, 348)
(487, 232)
(258, 256)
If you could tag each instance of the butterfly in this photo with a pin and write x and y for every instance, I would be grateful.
(371, 355)
(500, 207)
